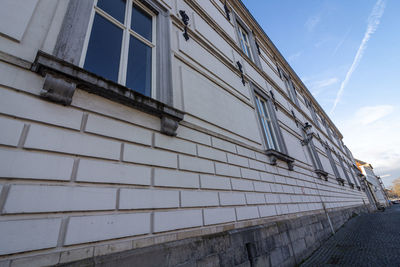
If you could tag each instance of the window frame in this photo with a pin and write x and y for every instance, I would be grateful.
(315, 159)
(354, 175)
(274, 121)
(333, 164)
(63, 74)
(272, 154)
(73, 33)
(327, 128)
(127, 32)
(243, 34)
(265, 117)
(345, 171)
(239, 24)
(291, 90)
(314, 114)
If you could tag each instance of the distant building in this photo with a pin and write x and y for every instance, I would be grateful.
(134, 124)
(374, 183)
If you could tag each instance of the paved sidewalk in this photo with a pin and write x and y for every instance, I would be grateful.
(367, 240)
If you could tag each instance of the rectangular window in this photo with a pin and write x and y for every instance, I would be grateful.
(290, 89)
(308, 138)
(314, 115)
(264, 110)
(327, 128)
(269, 126)
(121, 45)
(314, 156)
(332, 161)
(353, 176)
(244, 41)
(345, 171)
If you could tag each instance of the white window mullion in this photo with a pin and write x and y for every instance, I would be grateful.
(87, 37)
(125, 45)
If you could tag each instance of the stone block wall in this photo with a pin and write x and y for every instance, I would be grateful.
(276, 243)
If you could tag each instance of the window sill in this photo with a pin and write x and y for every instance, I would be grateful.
(351, 185)
(62, 78)
(275, 155)
(359, 188)
(322, 174)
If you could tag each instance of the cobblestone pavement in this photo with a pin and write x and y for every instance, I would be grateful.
(367, 240)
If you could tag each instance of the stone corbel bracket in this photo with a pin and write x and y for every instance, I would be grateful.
(322, 174)
(340, 181)
(275, 155)
(62, 78)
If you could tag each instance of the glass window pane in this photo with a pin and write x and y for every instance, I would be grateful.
(270, 143)
(139, 67)
(115, 8)
(104, 49)
(270, 126)
(141, 23)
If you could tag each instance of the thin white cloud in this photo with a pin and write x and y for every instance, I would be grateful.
(322, 42)
(312, 22)
(368, 115)
(373, 23)
(324, 83)
(317, 86)
(341, 42)
(294, 56)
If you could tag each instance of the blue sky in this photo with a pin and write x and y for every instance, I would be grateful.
(352, 47)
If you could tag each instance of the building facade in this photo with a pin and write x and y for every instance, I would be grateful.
(373, 183)
(130, 125)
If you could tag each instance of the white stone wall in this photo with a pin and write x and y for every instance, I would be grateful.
(98, 177)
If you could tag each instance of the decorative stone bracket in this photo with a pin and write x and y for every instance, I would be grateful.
(273, 99)
(275, 155)
(241, 72)
(322, 174)
(295, 118)
(185, 20)
(62, 78)
(340, 181)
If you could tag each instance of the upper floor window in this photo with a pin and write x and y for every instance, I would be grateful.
(345, 171)
(290, 89)
(122, 44)
(313, 113)
(269, 126)
(270, 133)
(244, 41)
(327, 128)
(332, 162)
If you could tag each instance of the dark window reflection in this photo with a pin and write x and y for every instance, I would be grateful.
(115, 8)
(104, 50)
(141, 23)
(139, 67)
